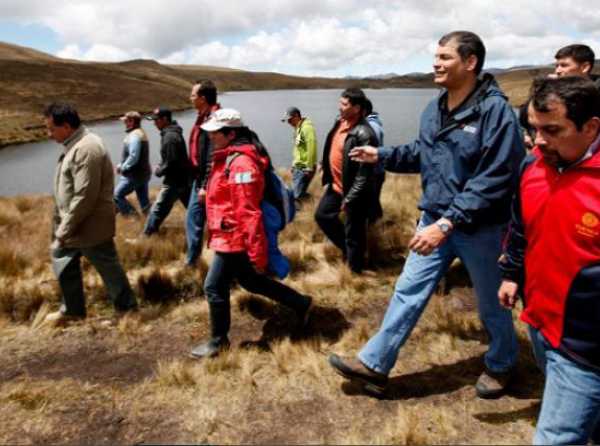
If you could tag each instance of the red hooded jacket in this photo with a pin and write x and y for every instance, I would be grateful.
(233, 197)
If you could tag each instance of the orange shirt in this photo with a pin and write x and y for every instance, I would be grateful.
(336, 154)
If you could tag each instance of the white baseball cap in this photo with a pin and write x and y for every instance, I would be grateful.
(224, 117)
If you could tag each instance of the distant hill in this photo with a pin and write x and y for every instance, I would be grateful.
(31, 79)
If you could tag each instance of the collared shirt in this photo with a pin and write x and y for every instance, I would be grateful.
(336, 155)
(592, 149)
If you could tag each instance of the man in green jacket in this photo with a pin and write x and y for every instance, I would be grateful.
(305, 152)
(84, 215)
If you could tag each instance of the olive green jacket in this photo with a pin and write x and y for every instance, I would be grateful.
(84, 213)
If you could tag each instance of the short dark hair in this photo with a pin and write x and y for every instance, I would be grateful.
(469, 44)
(62, 113)
(208, 90)
(580, 96)
(355, 96)
(368, 108)
(578, 52)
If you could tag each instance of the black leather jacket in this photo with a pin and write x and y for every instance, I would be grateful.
(358, 180)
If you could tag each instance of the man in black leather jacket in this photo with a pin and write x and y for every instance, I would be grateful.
(349, 185)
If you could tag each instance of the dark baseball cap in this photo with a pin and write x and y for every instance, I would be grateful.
(291, 111)
(160, 112)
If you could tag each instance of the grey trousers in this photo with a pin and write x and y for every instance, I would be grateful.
(66, 263)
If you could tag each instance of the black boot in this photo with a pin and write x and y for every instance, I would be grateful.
(219, 327)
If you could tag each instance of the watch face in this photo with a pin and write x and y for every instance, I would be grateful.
(444, 227)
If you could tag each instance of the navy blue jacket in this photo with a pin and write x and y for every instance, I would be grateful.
(469, 167)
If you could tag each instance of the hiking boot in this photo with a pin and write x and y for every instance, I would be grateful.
(61, 318)
(354, 370)
(492, 385)
(209, 349)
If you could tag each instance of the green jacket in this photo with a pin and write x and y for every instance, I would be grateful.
(305, 145)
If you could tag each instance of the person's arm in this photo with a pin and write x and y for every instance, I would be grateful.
(495, 174)
(512, 260)
(86, 169)
(169, 156)
(246, 182)
(310, 139)
(404, 158)
(135, 151)
(365, 170)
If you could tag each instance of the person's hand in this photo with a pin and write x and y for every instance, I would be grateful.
(118, 169)
(364, 154)
(507, 294)
(202, 195)
(427, 239)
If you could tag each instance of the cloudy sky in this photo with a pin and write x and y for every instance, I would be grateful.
(305, 37)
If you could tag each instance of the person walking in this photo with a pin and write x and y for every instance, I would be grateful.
(236, 231)
(174, 168)
(134, 168)
(84, 216)
(552, 256)
(204, 99)
(349, 185)
(304, 164)
(468, 153)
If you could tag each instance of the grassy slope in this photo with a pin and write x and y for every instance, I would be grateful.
(31, 80)
(132, 382)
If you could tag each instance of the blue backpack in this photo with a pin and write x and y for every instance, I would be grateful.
(278, 209)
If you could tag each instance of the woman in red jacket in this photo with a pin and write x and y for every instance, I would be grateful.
(235, 229)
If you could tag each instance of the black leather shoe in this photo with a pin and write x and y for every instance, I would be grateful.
(209, 349)
(354, 370)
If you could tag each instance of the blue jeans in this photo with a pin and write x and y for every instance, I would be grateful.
(570, 411)
(167, 197)
(300, 182)
(127, 185)
(194, 225)
(479, 253)
(67, 267)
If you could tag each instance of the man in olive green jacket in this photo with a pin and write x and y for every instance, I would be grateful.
(84, 215)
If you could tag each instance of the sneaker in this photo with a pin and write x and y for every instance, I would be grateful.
(492, 385)
(209, 349)
(60, 318)
(355, 370)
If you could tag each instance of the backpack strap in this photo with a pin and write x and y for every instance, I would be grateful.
(228, 162)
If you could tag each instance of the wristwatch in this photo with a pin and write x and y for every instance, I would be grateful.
(444, 227)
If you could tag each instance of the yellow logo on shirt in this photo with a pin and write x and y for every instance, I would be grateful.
(590, 220)
(589, 224)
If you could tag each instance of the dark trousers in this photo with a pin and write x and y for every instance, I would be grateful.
(167, 197)
(226, 267)
(351, 235)
(67, 267)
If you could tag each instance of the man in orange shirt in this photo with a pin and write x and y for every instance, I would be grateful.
(349, 185)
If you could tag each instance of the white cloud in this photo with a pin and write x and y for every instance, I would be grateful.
(317, 37)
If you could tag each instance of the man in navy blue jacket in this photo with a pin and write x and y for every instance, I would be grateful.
(468, 154)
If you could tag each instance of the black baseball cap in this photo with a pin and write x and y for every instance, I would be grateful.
(159, 112)
(291, 111)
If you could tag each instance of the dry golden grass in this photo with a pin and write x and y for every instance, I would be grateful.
(132, 381)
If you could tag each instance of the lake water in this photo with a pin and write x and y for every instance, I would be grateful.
(29, 168)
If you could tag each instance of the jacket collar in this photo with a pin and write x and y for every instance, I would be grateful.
(75, 138)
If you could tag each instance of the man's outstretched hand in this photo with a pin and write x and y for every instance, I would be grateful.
(364, 154)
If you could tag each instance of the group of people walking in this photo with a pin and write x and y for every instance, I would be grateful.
(523, 223)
